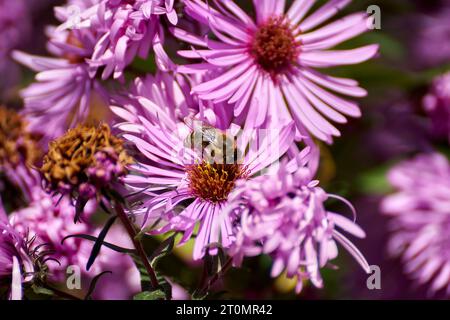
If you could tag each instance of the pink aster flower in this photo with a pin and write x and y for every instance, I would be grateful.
(162, 89)
(420, 223)
(16, 266)
(64, 93)
(437, 105)
(174, 172)
(283, 215)
(268, 64)
(126, 29)
(50, 220)
(171, 91)
(15, 23)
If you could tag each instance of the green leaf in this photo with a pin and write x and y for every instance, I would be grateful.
(144, 65)
(40, 290)
(145, 279)
(79, 207)
(98, 244)
(94, 239)
(93, 284)
(165, 286)
(374, 181)
(115, 196)
(199, 295)
(163, 250)
(150, 295)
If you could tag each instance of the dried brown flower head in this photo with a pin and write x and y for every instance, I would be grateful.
(87, 154)
(17, 145)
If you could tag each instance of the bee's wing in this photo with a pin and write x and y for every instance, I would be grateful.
(189, 122)
(210, 134)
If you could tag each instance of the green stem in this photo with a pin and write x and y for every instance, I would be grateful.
(137, 244)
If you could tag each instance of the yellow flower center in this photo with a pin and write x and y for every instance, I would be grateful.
(213, 182)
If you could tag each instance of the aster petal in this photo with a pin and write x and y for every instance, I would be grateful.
(298, 10)
(243, 94)
(322, 14)
(123, 113)
(271, 148)
(189, 212)
(151, 151)
(278, 113)
(334, 84)
(16, 285)
(55, 74)
(311, 113)
(202, 240)
(419, 243)
(267, 8)
(431, 266)
(188, 37)
(299, 115)
(215, 230)
(332, 250)
(37, 63)
(347, 225)
(442, 279)
(293, 263)
(350, 247)
(257, 109)
(239, 13)
(194, 68)
(229, 90)
(200, 11)
(331, 30)
(332, 58)
(208, 86)
(172, 16)
(157, 112)
(320, 105)
(277, 268)
(347, 107)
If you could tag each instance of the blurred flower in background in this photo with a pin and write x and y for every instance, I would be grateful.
(395, 129)
(63, 93)
(437, 105)
(19, 150)
(431, 44)
(420, 219)
(15, 26)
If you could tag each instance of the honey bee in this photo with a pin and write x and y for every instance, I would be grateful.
(212, 144)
